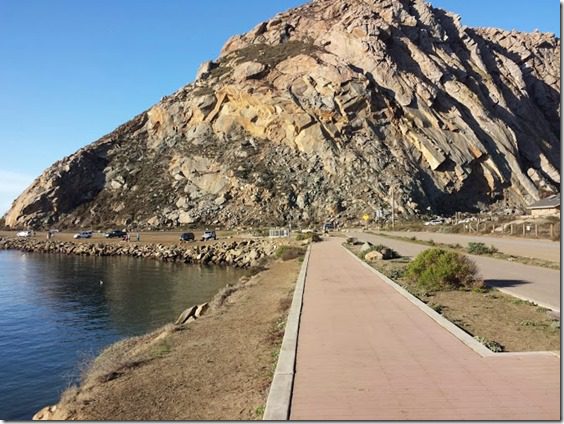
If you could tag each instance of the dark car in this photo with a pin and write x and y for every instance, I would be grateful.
(116, 234)
(187, 237)
(209, 235)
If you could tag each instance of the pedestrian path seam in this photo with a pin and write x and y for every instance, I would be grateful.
(456, 331)
(280, 394)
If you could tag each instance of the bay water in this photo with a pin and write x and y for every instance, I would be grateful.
(57, 312)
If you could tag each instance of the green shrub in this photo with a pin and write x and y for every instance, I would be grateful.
(438, 269)
(480, 249)
(289, 252)
(314, 237)
(260, 232)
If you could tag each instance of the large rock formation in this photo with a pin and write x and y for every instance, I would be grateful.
(320, 112)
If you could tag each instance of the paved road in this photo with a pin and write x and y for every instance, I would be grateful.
(365, 352)
(541, 249)
(540, 285)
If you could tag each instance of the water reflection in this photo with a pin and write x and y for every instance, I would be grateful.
(54, 311)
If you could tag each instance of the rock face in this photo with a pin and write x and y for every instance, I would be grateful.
(318, 113)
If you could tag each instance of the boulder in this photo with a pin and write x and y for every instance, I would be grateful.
(184, 316)
(248, 70)
(366, 246)
(373, 256)
(387, 253)
(186, 218)
(205, 69)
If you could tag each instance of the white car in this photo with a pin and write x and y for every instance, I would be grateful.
(83, 234)
(434, 222)
(24, 234)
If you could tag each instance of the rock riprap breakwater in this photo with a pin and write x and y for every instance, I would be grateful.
(240, 253)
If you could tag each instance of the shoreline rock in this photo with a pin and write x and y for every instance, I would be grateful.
(239, 254)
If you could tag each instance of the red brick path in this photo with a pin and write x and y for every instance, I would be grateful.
(366, 352)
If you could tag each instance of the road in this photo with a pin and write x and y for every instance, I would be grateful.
(541, 249)
(365, 352)
(537, 284)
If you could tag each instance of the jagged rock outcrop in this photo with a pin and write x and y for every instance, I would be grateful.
(319, 112)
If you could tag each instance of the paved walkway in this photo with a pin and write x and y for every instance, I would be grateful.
(535, 283)
(366, 352)
(533, 248)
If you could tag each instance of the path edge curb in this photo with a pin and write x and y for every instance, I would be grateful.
(460, 334)
(280, 393)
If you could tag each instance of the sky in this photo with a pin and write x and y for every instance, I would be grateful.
(72, 71)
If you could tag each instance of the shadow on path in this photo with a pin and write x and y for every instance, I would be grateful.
(505, 283)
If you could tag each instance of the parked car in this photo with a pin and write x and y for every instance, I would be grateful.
(208, 235)
(434, 222)
(116, 234)
(328, 226)
(83, 234)
(24, 234)
(187, 237)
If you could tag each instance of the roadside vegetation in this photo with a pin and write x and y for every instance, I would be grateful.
(447, 281)
(475, 248)
(314, 237)
(440, 270)
(480, 249)
(287, 253)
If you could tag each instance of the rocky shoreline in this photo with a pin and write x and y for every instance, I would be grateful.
(236, 253)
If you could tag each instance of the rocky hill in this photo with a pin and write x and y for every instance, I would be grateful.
(319, 112)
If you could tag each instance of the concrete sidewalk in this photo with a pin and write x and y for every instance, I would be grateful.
(366, 352)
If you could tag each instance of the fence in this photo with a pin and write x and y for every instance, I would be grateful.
(525, 229)
(278, 232)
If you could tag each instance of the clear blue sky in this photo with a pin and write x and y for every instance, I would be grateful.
(71, 71)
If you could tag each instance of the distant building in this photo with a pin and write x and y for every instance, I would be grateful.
(547, 206)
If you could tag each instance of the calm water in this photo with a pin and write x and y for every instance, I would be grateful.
(54, 314)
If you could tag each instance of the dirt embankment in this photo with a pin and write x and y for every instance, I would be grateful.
(215, 368)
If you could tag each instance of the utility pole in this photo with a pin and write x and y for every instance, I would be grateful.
(393, 210)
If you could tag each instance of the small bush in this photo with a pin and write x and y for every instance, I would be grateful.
(491, 344)
(480, 249)
(396, 274)
(289, 252)
(314, 237)
(438, 308)
(260, 232)
(438, 269)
